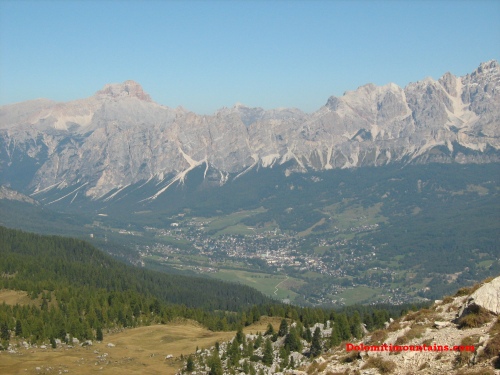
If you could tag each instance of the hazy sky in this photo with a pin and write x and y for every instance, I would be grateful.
(204, 55)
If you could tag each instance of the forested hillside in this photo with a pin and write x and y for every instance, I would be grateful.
(76, 290)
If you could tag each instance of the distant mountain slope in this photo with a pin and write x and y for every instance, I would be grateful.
(96, 147)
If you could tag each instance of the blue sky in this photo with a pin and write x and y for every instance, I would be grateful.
(204, 55)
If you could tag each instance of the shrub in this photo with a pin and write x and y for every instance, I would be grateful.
(465, 291)
(464, 357)
(421, 315)
(351, 357)
(413, 333)
(447, 299)
(492, 349)
(315, 367)
(383, 366)
(394, 326)
(476, 317)
(378, 336)
(495, 328)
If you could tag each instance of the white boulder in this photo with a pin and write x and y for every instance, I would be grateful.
(487, 297)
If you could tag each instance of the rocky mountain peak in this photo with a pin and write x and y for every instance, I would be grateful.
(488, 65)
(454, 119)
(126, 89)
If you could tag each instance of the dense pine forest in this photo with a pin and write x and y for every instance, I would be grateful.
(78, 291)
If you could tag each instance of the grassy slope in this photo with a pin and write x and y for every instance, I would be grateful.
(137, 351)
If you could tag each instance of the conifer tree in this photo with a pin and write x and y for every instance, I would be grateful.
(258, 342)
(99, 336)
(343, 325)
(270, 330)
(233, 353)
(215, 364)
(246, 367)
(284, 354)
(19, 328)
(283, 330)
(292, 341)
(4, 332)
(308, 334)
(267, 357)
(190, 364)
(335, 338)
(316, 343)
(355, 323)
(240, 336)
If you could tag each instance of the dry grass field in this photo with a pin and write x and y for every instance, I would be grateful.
(11, 297)
(137, 351)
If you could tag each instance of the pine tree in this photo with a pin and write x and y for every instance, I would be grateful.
(246, 367)
(343, 325)
(258, 342)
(190, 364)
(284, 354)
(316, 343)
(335, 338)
(233, 353)
(267, 357)
(4, 332)
(98, 335)
(308, 334)
(215, 364)
(19, 328)
(240, 336)
(270, 330)
(283, 330)
(292, 341)
(355, 323)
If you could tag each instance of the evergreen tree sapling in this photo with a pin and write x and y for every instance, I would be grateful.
(267, 357)
(316, 343)
(270, 330)
(215, 364)
(283, 330)
(190, 364)
(4, 332)
(98, 335)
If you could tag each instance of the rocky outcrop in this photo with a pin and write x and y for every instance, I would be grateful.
(119, 137)
(425, 342)
(486, 297)
(435, 338)
(12, 195)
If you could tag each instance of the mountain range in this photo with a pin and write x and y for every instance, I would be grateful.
(93, 149)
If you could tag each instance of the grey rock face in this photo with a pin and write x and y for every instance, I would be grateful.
(8, 194)
(120, 136)
(487, 297)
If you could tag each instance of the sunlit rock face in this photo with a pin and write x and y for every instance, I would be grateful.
(120, 137)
